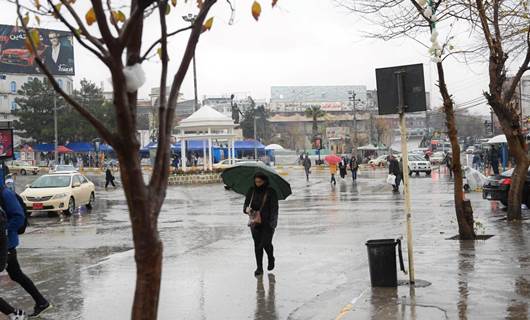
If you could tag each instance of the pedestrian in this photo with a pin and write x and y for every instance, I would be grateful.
(10, 181)
(301, 159)
(394, 169)
(307, 166)
(342, 168)
(476, 161)
(354, 166)
(261, 204)
(109, 178)
(449, 163)
(333, 172)
(427, 157)
(15, 220)
(494, 160)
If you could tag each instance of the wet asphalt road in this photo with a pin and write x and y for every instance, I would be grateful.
(85, 263)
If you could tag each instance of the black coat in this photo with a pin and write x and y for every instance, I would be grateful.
(393, 167)
(269, 211)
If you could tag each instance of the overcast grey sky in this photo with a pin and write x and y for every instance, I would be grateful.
(300, 42)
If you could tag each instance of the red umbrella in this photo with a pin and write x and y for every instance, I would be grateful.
(333, 159)
(63, 149)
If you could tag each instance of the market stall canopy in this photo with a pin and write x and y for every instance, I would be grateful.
(81, 146)
(497, 139)
(368, 147)
(44, 147)
(274, 147)
(105, 148)
(249, 145)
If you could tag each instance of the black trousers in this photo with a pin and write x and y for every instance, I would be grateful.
(262, 236)
(333, 180)
(109, 181)
(16, 274)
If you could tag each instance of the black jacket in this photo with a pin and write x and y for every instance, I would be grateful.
(393, 167)
(269, 212)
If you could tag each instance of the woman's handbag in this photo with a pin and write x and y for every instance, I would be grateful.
(391, 179)
(254, 216)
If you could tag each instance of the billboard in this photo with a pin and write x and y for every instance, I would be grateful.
(56, 50)
(412, 88)
(337, 133)
(6, 143)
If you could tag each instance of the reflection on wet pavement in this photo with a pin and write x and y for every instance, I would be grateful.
(85, 263)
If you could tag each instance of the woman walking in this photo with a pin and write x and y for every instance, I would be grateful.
(261, 205)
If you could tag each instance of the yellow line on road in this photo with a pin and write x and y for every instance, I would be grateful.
(344, 311)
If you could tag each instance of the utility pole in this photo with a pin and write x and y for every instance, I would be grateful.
(354, 100)
(191, 19)
(255, 138)
(55, 126)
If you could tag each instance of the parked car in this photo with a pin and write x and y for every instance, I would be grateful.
(419, 164)
(22, 167)
(226, 163)
(60, 193)
(380, 161)
(63, 168)
(497, 188)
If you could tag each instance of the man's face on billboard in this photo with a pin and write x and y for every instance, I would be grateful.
(54, 39)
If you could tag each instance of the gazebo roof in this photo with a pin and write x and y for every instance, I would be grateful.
(206, 117)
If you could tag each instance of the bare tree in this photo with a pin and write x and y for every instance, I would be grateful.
(505, 27)
(409, 18)
(119, 46)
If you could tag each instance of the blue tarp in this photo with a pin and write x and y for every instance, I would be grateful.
(248, 144)
(81, 146)
(105, 148)
(44, 147)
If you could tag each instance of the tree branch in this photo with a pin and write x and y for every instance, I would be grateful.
(146, 54)
(104, 29)
(113, 21)
(522, 69)
(102, 130)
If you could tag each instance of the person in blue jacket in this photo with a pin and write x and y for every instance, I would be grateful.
(15, 219)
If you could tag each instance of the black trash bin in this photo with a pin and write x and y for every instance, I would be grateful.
(382, 261)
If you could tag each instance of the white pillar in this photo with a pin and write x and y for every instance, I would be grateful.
(229, 147)
(210, 158)
(234, 156)
(204, 154)
(183, 153)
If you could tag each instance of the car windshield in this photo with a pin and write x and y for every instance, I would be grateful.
(64, 168)
(415, 158)
(51, 182)
(509, 173)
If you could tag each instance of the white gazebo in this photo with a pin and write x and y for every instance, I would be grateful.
(207, 124)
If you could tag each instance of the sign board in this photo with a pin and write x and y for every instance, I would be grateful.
(6, 144)
(413, 86)
(56, 50)
(336, 133)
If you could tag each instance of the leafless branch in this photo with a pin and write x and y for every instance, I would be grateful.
(146, 54)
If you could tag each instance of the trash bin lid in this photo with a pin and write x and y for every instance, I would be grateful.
(381, 242)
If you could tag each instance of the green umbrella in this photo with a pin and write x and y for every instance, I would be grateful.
(240, 178)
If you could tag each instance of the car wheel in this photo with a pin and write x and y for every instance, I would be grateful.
(410, 172)
(23, 172)
(71, 207)
(428, 172)
(90, 203)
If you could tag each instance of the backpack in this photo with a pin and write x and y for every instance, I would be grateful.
(23, 227)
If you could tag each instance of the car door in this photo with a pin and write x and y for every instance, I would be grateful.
(77, 191)
(86, 188)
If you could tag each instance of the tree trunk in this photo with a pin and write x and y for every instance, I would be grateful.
(147, 245)
(464, 217)
(517, 144)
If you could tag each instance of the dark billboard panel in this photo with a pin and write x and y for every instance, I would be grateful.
(6, 144)
(56, 50)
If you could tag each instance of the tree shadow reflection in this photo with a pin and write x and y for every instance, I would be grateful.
(266, 303)
(518, 307)
(466, 266)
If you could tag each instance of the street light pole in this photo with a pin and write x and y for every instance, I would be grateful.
(353, 99)
(191, 19)
(55, 126)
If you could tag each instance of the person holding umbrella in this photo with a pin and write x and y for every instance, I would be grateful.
(333, 160)
(263, 187)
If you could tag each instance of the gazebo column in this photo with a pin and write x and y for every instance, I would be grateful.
(230, 155)
(204, 155)
(210, 158)
(183, 157)
(234, 149)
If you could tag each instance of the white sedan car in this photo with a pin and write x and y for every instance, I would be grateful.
(59, 192)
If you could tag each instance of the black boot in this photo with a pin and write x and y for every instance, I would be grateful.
(270, 267)
(258, 272)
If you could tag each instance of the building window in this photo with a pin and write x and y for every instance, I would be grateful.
(60, 82)
(13, 106)
(13, 87)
